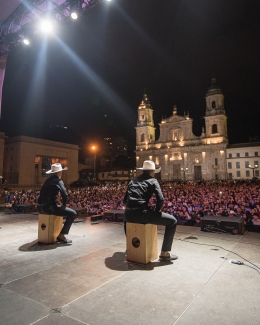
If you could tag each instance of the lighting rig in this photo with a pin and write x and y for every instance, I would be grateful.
(33, 16)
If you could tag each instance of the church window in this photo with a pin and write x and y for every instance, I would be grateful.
(142, 138)
(142, 117)
(213, 104)
(214, 128)
(175, 136)
(216, 161)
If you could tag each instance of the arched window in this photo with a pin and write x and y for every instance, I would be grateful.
(214, 128)
(142, 137)
(213, 104)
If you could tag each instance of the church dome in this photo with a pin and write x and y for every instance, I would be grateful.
(214, 88)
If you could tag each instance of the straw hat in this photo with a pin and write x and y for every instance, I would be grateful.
(55, 168)
(150, 165)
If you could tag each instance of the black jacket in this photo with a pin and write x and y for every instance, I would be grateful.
(50, 188)
(140, 190)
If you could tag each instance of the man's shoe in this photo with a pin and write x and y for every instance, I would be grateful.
(64, 241)
(169, 257)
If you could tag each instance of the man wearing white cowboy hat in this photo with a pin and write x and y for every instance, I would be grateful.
(136, 199)
(47, 200)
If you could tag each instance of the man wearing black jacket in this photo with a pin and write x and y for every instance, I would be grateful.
(47, 200)
(136, 200)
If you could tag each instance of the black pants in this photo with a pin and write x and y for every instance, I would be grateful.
(155, 218)
(58, 210)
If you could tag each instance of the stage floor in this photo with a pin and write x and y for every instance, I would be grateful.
(90, 282)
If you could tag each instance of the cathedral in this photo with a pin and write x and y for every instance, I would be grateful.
(180, 154)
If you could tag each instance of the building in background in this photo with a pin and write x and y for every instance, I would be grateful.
(243, 160)
(116, 174)
(112, 147)
(27, 159)
(181, 154)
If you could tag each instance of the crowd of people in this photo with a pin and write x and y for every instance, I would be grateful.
(187, 201)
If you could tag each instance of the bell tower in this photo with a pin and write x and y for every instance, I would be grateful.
(145, 130)
(215, 119)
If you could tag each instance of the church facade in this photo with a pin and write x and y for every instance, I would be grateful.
(180, 154)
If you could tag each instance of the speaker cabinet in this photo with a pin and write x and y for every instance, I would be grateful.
(24, 208)
(233, 225)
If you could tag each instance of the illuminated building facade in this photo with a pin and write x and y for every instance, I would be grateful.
(26, 160)
(181, 154)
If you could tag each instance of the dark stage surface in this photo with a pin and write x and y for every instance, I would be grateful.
(90, 282)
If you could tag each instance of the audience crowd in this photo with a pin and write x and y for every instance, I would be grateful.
(187, 201)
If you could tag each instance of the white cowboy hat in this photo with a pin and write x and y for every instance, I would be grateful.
(150, 165)
(55, 168)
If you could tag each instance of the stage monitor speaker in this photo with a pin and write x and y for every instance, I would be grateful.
(24, 208)
(82, 212)
(120, 216)
(233, 225)
(109, 216)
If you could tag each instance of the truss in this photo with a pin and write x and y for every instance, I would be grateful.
(23, 18)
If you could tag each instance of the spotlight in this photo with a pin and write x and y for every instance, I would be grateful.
(75, 8)
(74, 15)
(46, 26)
(26, 41)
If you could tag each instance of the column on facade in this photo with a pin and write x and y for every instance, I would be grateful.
(186, 165)
(203, 164)
(166, 166)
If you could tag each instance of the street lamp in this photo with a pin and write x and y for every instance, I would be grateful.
(255, 167)
(184, 172)
(94, 150)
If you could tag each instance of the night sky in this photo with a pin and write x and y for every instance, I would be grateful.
(91, 74)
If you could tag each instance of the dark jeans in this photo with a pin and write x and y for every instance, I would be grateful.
(58, 210)
(155, 218)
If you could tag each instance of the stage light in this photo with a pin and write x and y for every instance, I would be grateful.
(26, 41)
(46, 26)
(75, 8)
(74, 15)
